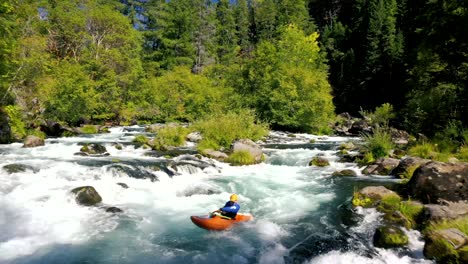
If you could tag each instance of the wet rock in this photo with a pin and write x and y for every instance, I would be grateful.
(346, 173)
(359, 127)
(134, 172)
(407, 166)
(86, 195)
(438, 180)
(248, 146)
(117, 146)
(123, 185)
(389, 236)
(382, 166)
(33, 141)
(5, 129)
(194, 137)
(371, 195)
(442, 245)
(17, 167)
(55, 129)
(447, 211)
(319, 162)
(199, 190)
(93, 149)
(113, 210)
(399, 137)
(214, 154)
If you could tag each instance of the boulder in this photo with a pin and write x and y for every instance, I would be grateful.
(382, 166)
(86, 195)
(93, 149)
(194, 137)
(407, 166)
(214, 154)
(123, 185)
(371, 195)
(33, 141)
(347, 173)
(389, 236)
(448, 211)
(442, 245)
(5, 129)
(319, 162)
(55, 129)
(16, 167)
(399, 137)
(360, 127)
(249, 146)
(438, 180)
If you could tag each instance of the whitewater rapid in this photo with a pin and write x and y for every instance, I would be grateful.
(302, 213)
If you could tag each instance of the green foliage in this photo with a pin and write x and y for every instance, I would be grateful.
(89, 129)
(411, 211)
(140, 140)
(183, 96)
(17, 125)
(462, 154)
(170, 136)
(319, 162)
(424, 150)
(241, 157)
(361, 200)
(220, 130)
(460, 223)
(408, 173)
(379, 143)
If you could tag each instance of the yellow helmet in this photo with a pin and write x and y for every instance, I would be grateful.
(233, 198)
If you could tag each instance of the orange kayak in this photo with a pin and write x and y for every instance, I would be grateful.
(217, 222)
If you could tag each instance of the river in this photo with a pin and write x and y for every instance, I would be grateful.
(302, 213)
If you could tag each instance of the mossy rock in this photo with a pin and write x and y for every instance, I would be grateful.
(438, 248)
(93, 149)
(16, 167)
(362, 200)
(345, 173)
(86, 195)
(319, 162)
(113, 210)
(347, 146)
(117, 146)
(463, 254)
(390, 236)
(239, 158)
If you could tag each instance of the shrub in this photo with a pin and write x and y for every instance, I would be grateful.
(462, 153)
(18, 129)
(173, 136)
(89, 129)
(424, 150)
(241, 157)
(380, 116)
(140, 140)
(379, 143)
(411, 211)
(220, 130)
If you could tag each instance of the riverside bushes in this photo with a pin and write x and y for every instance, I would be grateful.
(220, 130)
(170, 136)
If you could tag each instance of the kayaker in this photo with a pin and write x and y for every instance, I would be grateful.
(231, 207)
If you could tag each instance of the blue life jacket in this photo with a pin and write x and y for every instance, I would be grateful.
(230, 209)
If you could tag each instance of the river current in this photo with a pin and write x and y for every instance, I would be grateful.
(302, 213)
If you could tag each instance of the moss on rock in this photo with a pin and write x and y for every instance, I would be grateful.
(390, 236)
(319, 162)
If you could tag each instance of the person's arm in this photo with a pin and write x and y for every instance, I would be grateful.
(231, 208)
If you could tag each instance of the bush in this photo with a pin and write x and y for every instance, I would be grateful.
(140, 140)
(380, 116)
(89, 129)
(18, 129)
(379, 143)
(173, 136)
(424, 150)
(241, 157)
(462, 154)
(220, 130)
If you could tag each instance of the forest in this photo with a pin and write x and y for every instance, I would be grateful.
(291, 64)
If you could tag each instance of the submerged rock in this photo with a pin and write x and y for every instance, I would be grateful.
(438, 180)
(33, 141)
(86, 195)
(346, 173)
(93, 149)
(319, 162)
(389, 236)
(17, 167)
(114, 210)
(123, 185)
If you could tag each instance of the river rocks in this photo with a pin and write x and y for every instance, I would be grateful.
(437, 180)
(194, 137)
(389, 236)
(214, 154)
(346, 173)
(249, 146)
(16, 167)
(94, 149)
(371, 195)
(113, 210)
(319, 162)
(359, 127)
(443, 245)
(55, 129)
(407, 166)
(123, 185)
(33, 141)
(399, 137)
(5, 130)
(382, 166)
(86, 195)
(449, 211)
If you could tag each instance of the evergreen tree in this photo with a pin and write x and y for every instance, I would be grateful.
(226, 37)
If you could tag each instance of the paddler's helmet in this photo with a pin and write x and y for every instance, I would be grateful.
(233, 198)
